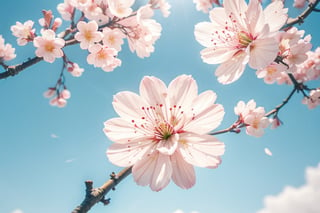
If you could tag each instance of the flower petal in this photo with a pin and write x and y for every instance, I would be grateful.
(231, 70)
(182, 173)
(217, 55)
(127, 154)
(205, 120)
(275, 15)
(122, 131)
(154, 170)
(128, 105)
(182, 91)
(263, 52)
(168, 147)
(153, 90)
(201, 150)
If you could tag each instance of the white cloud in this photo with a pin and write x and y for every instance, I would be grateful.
(180, 211)
(303, 199)
(17, 211)
(70, 160)
(54, 135)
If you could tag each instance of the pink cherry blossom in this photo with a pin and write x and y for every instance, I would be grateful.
(23, 32)
(205, 5)
(310, 68)
(58, 101)
(48, 46)
(113, 38)
(50, 92)
(313, 100)
(163, 132)
(120, 8)
(88, 34)
(75, 70)
(104, 57)
(66, 10)
(163, 5)
(252, 117)
(142, 31)
(240, 34)
(272, 73)
(6, 51)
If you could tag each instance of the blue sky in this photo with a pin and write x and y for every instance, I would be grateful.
(47, 153)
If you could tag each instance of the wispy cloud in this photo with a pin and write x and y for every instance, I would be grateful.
(17, 211)
(70, 160)
(305, 198)
(180, 211)
(54, 135)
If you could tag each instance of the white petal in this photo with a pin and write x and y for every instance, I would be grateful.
(122, 131)
(128, 105)
(153, 90)
(231, 70)
(182, 91)
(275, 15)
(217, 55)
(205, 120)
(128, 154)
(267, 151)
(154, 170)
(182, 172)
(168, 147)
(201, 150)
(263, 52)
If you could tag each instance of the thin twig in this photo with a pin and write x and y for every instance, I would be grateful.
(300, 19)
(96, 195)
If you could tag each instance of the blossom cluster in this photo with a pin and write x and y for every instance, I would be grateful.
(99, 26)
(252, 117)
(7, 52)
(241, 34)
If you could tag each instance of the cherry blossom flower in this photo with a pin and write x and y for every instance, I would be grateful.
(88, 34)
(163, 5)
(120, 8)
(50, 92)
(163, 132)
(240, 34)
(48, 46)
(205, 5)
(313, 100)
(104, 57)
(60, 100)
(310, 68)
(75, 70)
(66, 10)
(142, 31)
(23, 32)
(252, 117)
(6, 51)
(272, 73)
(113, 38)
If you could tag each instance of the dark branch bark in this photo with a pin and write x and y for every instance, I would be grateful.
(300, 19)
(95, 195)
(14, 70)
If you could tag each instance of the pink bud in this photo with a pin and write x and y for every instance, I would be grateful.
(49, 93)
(65, 94)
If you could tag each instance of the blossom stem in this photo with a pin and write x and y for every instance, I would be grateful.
(95, 195)
(300, 19)
(284, 102)
(233, 128)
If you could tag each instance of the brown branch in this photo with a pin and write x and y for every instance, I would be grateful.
(300, 19)
(14, 70)
(95, 195)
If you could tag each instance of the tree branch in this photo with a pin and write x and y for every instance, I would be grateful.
(95, 195)
(14, 70)
(300, 19)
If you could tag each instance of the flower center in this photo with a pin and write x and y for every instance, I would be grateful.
(244, 39)
(49, 47)
(163, 131)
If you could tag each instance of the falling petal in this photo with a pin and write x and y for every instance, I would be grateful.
(267, 151)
